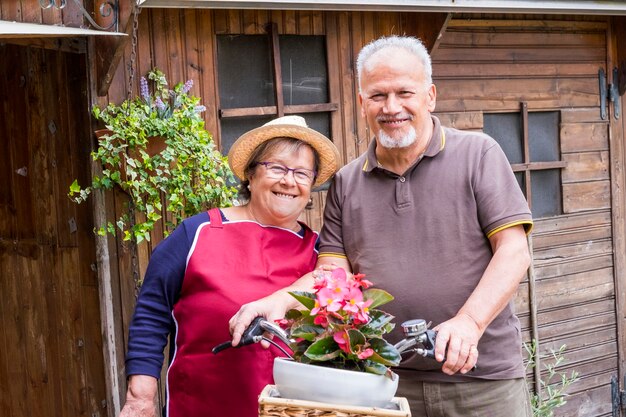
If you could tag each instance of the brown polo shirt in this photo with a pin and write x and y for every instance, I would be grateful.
(423, 236)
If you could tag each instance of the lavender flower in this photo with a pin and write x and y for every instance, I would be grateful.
(159, 104)
(199, 109)
(187, 86)
(145, 93)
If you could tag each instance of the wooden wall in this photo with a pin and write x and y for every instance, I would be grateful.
(51, 361)
(482, 64)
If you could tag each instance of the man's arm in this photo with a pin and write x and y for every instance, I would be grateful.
(495, 290)
(276, 305)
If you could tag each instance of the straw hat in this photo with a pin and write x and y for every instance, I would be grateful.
(289, 127)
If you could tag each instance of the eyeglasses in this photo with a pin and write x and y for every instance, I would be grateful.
(277, 171)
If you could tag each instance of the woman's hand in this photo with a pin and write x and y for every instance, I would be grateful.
(273, 307)
(140, 397)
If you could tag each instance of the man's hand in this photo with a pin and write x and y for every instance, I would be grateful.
(460, 334)
(140, 397)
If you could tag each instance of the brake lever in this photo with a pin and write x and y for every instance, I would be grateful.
(253, 334)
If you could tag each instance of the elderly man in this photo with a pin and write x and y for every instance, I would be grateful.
(433, 215)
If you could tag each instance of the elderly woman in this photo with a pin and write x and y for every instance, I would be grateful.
(213, 263)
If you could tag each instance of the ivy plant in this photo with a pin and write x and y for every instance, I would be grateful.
(185, 175)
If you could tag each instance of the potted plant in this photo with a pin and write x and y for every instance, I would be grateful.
(156, 149)
(338, 336)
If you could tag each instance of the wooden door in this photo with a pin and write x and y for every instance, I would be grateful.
(51, 361)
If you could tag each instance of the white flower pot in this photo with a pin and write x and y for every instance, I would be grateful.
(300, 381)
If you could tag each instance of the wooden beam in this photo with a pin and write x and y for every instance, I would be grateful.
(109, 52)
(272, 29)
(429, 27)
(271, 110)
(71, 45)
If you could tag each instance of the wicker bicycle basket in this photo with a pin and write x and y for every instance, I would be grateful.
(272, 405)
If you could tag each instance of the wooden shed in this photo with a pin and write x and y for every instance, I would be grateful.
(546, 79)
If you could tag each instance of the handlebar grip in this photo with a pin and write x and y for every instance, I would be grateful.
(221, 347)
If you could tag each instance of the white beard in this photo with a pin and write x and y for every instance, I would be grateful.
(388, 142)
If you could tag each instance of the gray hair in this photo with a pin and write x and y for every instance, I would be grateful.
(409, 43)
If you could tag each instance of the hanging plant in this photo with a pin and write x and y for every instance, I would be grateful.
(156, 149)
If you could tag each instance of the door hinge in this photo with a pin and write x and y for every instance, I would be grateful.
(609, 93)
(618, 397)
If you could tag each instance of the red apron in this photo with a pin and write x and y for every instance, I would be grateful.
(229, 265)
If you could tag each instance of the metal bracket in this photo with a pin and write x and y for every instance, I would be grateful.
(614, 93)
(107, 8)
(603, 93)
(618, 397)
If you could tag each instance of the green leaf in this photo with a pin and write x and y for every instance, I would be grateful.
(323, 350)
(375, 368)
(378, 296)
(377, 324)
(306, 331)
(305, 298)
(384, 352)
(356, 339)
(74, 188)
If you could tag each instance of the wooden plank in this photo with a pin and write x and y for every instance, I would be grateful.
(72, 45)
(462, 120)
(272, 110)
(543, 24)
(304, 22)
(16, 120)
(586, 248)
(593, 402)
(160, 53)
(13, 333)
(220, 21)
(572, 221)
(541, 39)
(585, 166)
(593, 313)
(64, 142)
(207, 68)
(560, 53)
(511, 70)
(575, 288)
(350, 148)
(249, 22)
(11, 11)
(582, 115)
(289, 23)
(8, 228)
(502, 95)
(334, 79)
(41, 123)
(586, 196)
(317, 23)
(234, 22)
(361, 24)
(175, 49)
(584, 137)
(571, 236)
(574, 265)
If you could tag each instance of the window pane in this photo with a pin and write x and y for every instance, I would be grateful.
(235, 127)
(319, 122)
(506, 129)
(543, 136)
(244, 71)
(303, 65)
(546, 192)
(521, 181)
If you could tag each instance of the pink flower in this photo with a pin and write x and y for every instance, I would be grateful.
(343, 340)
(352, 300)
(329, 299)
(359, 278)
(365, 353)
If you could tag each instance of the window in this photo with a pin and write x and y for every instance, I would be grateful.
(531, 142)
(251, 66)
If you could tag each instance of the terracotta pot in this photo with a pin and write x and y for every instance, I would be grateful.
(156, 144)
(299, 381)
